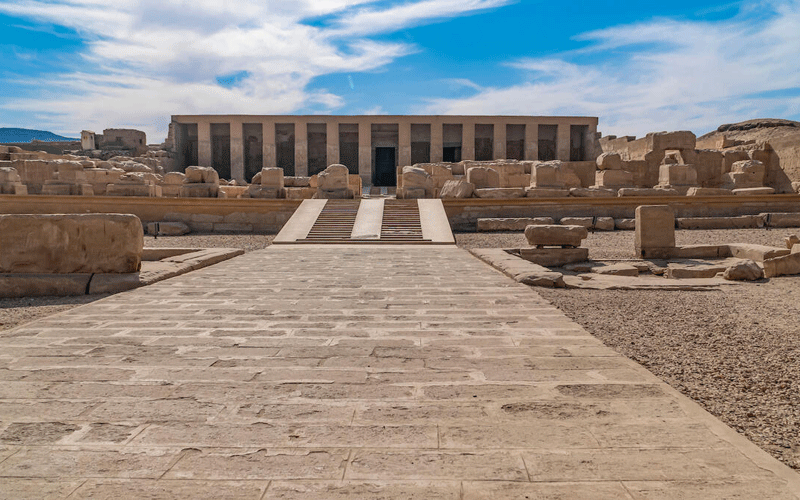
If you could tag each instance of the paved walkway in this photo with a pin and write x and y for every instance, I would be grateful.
(350, 372)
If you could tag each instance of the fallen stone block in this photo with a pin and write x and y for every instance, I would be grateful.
(613, 179)
(781, 219)
(701, 252)
(701, 191)
(758, 253)
(620, 269)
(554, 257)
(741, 222)
(745, 270)
(595, 192)
(782, 266)
(596, 223)
(167, 228)
(555, 235)
(753, 191)
(541, 192)
(70, 243)
(695, 269)
(512, 224)
(625, 224)
(647, 192)
(791, 241)
(483, 177)
(609, 161)
(500, 193)
(457, 189)
(519, 269)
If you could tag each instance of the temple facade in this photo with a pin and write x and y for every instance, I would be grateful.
(372, 146)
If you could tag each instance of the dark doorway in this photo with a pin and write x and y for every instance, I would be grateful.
(451, 154)
(577, 142)
(547, 142)
(385, 166)
(221, 149)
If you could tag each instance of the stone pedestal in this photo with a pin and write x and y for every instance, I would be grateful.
(655, 231)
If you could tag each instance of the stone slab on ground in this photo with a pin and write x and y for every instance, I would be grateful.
(400, 371)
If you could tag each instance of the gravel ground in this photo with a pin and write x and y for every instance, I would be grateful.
(15, 312)
(736, 350)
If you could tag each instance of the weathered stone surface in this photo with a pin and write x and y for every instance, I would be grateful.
(167, 228)
(745, 270)
(272, 177)
(625, 224)
(598, 223)
(556, 235)
(520, 269)
(500, 193)
(512, 224)
(758, 253)
(594, 192)
(614, 179)
(553, 174)
(677, 175)
(174, 178)
(655, 231)
(199, 190)
(744, 174)
(609, 161)
(200, 175)
(782, 266)
(554, 257)
(332, 183)
(701, 252)
(83, 243)
(791, 241)
(774, 219)
(702, 191)
(290, 181)
(796, 186)
(9, 174)
(695, 269)
(457, 189)
(483, 177)
(648, 192)
(741, 222)
(620, 269)
(540, 192)
(415, 177)
(753, 191)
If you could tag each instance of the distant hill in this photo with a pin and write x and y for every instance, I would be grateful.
(8, 134)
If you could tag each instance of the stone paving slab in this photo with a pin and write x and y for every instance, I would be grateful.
(358, 372)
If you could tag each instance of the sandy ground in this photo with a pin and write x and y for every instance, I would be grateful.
(736, 351)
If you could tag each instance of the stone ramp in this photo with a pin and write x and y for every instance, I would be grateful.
(350, 371)
(373, 221)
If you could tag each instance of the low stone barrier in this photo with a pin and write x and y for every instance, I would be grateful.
(70, 243)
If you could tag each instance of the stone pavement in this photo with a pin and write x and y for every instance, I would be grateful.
(357, 372)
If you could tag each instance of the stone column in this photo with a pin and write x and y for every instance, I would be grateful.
(437, 140)
(268, 144)
(301, 149)
(365, 152)
(332, 142)
(562, 142)
(237, 151)
(204, 143)
(468, 141)
(499, 150)
(404, 144)
(531, 141)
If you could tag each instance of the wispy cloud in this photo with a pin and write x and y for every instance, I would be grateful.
(147, 59)
(661, 74)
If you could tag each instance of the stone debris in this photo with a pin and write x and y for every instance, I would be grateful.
(620, 269)
(555, 235)
(791, 241)
(512, 224)
(744, 270)
(457, 189)
(333, 183)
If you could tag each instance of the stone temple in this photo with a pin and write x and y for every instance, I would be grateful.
(239, 146)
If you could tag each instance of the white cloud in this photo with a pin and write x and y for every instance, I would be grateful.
(147, 59)
(661, 75)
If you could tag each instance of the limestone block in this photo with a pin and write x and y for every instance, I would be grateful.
(272, 177)
(641, 171)
(71, 172)
(744, 270)
(232, 191)
(9, 175)
(411, 193)
(167, 228)
(655, 231)
(300, 193)
(512, 224)
(774, 219)
(613, 179)
(791, 241)
(796, 187)
(625, 224)
(511, 174)
(542, 192)
(313, 181)
(620, 269)
(174, 178)
(170, 190)
(415, 177)
(200, 175)
(701, 252)
(13, 188)
(553, 174)
(135, 166)
(647, 192)
(740, 222)
(75, 243)
(483, 177)
(265, 192)
(131, 189)
(57, 188)
(677, 175)
(782, 266)
(334, 194)
(598, 223)
(554, 257)
(516, 180)
(296, 181)
(555, 235)
(593, 192)
(695, 269)
(701, 191)
(683, 139)
(333, 178)
(457, 189)
(753, 191)
(257, 179)
(199, 190)
(500, 193)
(731, 157)
(609, 161)
(709, 165)
(744, 174)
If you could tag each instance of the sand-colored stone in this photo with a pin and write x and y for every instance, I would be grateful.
(555, 235)
(655, 231)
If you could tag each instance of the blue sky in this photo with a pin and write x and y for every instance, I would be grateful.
(641, 66)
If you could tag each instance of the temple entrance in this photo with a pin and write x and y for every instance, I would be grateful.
(385, 166)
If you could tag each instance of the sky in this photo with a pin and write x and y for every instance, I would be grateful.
(70, 65)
